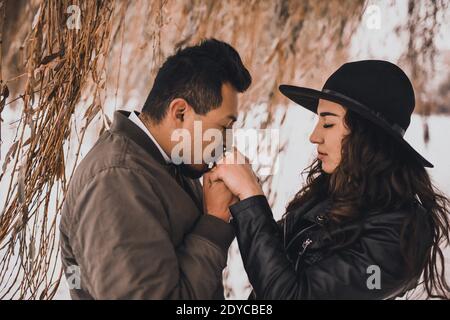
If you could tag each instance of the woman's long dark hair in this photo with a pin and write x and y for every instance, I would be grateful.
(377, 174)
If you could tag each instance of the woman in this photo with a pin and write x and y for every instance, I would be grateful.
(368, 223)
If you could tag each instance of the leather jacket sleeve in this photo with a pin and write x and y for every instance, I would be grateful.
(344, 274)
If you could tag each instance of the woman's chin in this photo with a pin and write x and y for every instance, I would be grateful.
(326, 168)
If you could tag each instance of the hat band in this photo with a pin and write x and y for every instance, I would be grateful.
(379, 115)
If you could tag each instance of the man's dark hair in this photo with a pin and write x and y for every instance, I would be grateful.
(197, 74)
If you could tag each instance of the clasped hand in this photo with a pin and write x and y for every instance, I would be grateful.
(231, 180)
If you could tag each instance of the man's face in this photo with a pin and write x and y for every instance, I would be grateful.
(208, 131)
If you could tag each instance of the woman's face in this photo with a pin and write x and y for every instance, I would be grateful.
(328, 134)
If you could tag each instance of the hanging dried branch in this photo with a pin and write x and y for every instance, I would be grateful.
(58, 64)
(424, 21)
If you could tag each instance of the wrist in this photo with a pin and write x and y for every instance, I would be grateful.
(225, 216)
(253, 191)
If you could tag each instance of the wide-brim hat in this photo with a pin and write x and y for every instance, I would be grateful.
(377, 90)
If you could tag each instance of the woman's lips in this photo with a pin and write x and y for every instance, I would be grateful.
(321, 155)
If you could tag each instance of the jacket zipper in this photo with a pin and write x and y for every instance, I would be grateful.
(305, 245)
(297, 235)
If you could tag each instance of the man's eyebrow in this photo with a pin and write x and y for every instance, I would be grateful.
(323, 114)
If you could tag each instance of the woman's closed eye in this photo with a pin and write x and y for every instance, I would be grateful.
(328, 125)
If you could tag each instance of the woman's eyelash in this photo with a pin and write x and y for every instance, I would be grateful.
(328, 125)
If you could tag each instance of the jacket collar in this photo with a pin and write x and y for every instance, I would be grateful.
(124, 126)
(317, 211)
(312, 210)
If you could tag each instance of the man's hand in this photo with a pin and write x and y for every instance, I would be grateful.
(217, 198)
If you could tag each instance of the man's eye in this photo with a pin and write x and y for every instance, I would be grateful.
(328, 125)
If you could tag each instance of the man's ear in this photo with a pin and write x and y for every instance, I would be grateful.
(177, 110)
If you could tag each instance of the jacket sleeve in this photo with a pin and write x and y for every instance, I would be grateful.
(345, 274)
(125, 252)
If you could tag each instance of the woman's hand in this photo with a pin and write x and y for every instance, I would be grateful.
(217, 198)
(235, 171)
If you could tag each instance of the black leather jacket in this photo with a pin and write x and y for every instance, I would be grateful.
(294, 260)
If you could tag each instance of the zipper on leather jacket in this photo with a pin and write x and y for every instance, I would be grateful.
(297, 235)
(305, 245)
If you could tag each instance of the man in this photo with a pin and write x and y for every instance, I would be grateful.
(133, 222)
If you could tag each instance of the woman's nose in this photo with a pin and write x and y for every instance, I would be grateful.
(315, 136)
